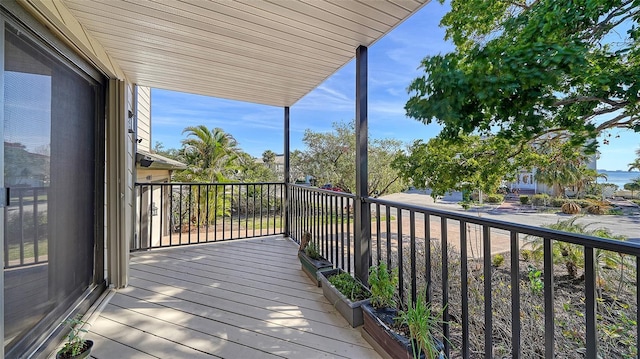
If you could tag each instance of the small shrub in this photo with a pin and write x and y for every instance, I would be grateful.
(636, 201)
(382, 284)
(312, 251)
(349, 286)
(495, 198)
(526, 254)
(465, 205)
(570, 208)
(524, 199)
(540, 199)
(498, 260)
(535, 280)
(596, 209)
(583, 203)
(557, 202)
(74, 344)
(592, 197)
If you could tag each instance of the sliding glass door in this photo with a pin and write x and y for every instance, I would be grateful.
(52, 111)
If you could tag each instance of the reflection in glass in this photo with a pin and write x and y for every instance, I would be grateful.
(49, 170)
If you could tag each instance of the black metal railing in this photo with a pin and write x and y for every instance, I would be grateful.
(497, 286)
(488, 308)
(328, 217)
(25, 227)
(173, 214)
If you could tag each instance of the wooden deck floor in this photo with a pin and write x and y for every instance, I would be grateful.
(236, 299)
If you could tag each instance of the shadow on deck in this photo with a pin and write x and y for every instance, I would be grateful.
(235, 299)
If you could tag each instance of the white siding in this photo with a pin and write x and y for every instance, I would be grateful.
(144, 118)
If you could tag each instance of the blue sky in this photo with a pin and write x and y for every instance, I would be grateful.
(393, 63)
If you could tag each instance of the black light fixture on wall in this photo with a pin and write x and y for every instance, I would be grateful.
(144, 161)
(131, 123)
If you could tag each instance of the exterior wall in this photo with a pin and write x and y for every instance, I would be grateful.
(144, 117)
(118, 163)
(149, 200)
(120, 147)
(154, 175)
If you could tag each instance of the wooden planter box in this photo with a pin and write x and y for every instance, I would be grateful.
(351, 311)
(387, 343)
(312, 266)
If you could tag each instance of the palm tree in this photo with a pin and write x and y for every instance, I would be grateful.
(269, 158)
(588, 177)
(635, 165)
(558, 175)
(564, 166)
(634, 186)
(209, 154)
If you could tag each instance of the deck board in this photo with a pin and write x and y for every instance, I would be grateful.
(233, 299)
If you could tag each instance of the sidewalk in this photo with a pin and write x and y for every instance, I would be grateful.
(511, 211)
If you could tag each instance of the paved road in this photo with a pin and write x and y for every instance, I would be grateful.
(628, 226)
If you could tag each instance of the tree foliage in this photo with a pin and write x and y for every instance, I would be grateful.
(635, 165)
(471, 162)
(210, 155)
(559, 165)
(523, 69)
(633, 186)
(249, 170)
(172, 153)
(215, 156)
(268, 156)
(330, 158)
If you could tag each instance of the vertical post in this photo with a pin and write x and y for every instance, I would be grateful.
(362, 220)
(286, 172)
(3, 191)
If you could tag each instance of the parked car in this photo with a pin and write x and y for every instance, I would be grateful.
(330, 187)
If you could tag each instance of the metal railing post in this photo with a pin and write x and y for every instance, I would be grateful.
(362, 240)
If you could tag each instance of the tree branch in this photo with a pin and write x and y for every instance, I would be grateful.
(387, 186)
(614, 122)
(572, 100)
(602, 25)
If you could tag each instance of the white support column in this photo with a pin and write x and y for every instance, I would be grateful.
(117, 232)
(3, 193)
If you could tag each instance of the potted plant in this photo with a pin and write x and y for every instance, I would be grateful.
(383, 326)
(75, 347)
(421, 320)
(346, 293)
(311, 260)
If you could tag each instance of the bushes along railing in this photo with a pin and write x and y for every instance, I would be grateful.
(172, 214)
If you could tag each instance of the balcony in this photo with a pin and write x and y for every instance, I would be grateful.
(449, 256)
(233, 299)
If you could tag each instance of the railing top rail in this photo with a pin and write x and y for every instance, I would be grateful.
(320, 190)
(575, 238)
(207, 183)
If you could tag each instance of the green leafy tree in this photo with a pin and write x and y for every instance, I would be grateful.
(297, 166)
(470, 162)
(526, 69)
(249, 170)
(172, 153)
(330, 158)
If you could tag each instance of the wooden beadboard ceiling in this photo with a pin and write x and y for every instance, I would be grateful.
(269, 52)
